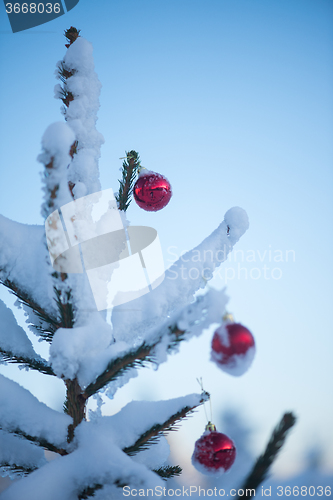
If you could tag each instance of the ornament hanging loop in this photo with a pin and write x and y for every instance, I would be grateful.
(209, 424)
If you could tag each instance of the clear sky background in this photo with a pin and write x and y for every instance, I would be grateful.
(232, 101)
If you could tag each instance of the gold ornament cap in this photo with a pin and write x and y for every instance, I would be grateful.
(210, 427)
(228, 318)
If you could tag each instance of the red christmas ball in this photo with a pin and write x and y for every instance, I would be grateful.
(214, 453)
(233, 348)
(152, 191)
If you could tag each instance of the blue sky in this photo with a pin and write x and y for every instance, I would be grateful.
(232, 101)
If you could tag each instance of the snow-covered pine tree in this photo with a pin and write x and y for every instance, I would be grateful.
(95, 457)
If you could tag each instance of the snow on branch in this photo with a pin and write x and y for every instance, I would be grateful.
(41, 322)
(138, 418)
(22, 251)
(17, 456)
(168, 471)
(97, 460)
(79, 92)
(15, 346)
(7, 356)
(22, 414)
(156, 409)
(184, 323)
(83, 351)
(182, 280)
(56, 143)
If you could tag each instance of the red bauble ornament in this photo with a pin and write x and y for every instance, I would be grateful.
(233, 348)
(152, 191)
(214, 453)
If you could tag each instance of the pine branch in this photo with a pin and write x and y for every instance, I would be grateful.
(139, 357)
(75, 406)
(177, 337)
(65, 308)
(52, 192)
(23, 297)
(152, 434)
(66, 95)
(39, 441)
(129, 172)
(33, 364)
(89, 491)
(16, 469)
(264, 462)
(169, 471)
(118, 366)
(71, 34)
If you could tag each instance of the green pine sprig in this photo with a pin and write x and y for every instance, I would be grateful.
(131, 165)
(139, 357)
(168, 472)
(49, 322)
(171, 424)
(263, 464)
(65, 308)
(71, 34)
(36, 440)
(89, 491)
(14, 469)
(33, 364)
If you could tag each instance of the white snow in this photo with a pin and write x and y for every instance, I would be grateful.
(98, 457)
(182, 280)
(206, 470)
(56, 143)
(96, 460)
(22, 251)
(238, 222)
(79, 56)
(17, 451)
(223, 335)
(237, 365)
(19, 409)
(111, 389)
(207, 309)
(12, 337)
(58, 139)
(81, 116)
(84, 352)
(155, 456)
(139, 416)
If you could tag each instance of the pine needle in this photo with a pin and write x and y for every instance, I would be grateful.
(169, 471)
(33, 364)
(265, 460)
(152, 434)
(129, 172)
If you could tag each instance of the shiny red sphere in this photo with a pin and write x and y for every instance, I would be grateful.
(239, 341)
(213, 453)
(152, 191)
